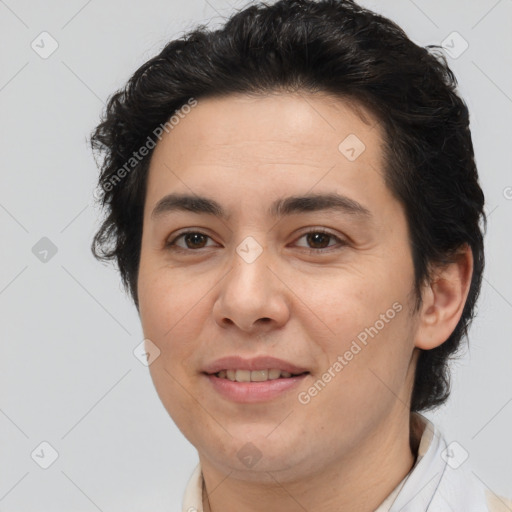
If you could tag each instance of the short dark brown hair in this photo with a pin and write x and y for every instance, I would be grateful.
(332, 46)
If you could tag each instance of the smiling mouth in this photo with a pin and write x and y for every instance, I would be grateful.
(255, 375)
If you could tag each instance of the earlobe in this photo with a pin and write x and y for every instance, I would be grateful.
(443, 300)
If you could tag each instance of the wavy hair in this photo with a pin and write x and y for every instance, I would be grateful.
(331, 46)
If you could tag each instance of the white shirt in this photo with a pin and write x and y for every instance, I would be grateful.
(439, 481)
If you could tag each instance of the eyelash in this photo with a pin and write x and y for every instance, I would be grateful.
(171, 245)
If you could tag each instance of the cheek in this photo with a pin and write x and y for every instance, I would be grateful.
(362, 380)
(349, 302)
(365, 321)
(165, 301)
(174, 310)
(167, 311)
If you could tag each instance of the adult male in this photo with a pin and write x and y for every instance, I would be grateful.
(303, 245)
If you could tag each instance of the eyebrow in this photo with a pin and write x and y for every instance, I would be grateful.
(281, 207)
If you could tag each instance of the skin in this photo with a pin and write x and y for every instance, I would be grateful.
(349, 446)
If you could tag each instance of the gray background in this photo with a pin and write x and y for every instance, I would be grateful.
(68, 373)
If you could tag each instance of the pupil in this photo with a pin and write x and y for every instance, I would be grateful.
(316, 238)
(196, 239)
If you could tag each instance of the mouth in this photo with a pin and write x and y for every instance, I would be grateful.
(256, 386)
(258, 379)
(255, 375)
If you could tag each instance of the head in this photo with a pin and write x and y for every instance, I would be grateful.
(299, 98)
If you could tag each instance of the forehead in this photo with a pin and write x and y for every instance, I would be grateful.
(279, 141)
(286, 123)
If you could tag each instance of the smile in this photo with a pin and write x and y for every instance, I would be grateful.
(255, 375)
(254, 391)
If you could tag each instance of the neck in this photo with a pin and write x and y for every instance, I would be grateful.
(358, 482)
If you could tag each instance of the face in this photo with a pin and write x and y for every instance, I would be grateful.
(309, 263)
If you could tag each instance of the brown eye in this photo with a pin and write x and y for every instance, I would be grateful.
(318, 240)
(193, 240)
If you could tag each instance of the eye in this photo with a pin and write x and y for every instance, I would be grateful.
(319, 239)
(191, 239)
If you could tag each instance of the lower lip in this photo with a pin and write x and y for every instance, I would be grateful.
(252, 392)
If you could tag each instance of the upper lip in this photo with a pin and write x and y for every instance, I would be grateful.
(256, 363)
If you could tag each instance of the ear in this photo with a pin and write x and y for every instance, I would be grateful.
(443, 300)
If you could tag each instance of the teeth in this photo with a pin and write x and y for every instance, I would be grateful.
(253, 376)
(243, 376)
(259, 375)
(274, 374)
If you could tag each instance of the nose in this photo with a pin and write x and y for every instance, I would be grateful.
(252, 296)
